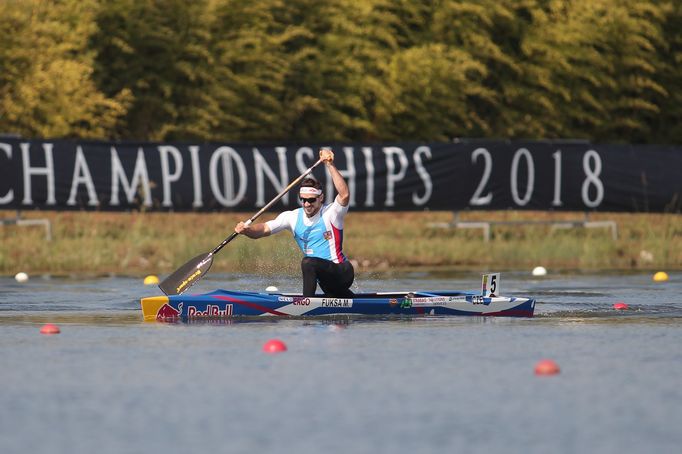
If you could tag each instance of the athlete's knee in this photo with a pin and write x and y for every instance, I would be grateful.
(348, 273)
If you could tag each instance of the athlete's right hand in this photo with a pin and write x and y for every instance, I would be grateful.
(327, 155)
(240, 227)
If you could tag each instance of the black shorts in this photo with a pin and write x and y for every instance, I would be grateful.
(335, 278)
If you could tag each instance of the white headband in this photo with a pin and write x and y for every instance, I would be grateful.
(309, 191)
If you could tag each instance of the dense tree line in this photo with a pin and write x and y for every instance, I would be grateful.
(342, 70)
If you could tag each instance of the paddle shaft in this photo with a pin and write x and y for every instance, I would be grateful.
(266, 207)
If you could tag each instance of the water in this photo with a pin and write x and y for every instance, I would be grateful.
(110, 383)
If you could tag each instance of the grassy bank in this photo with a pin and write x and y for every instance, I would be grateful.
(157, 243)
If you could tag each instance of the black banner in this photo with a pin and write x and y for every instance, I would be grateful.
(481, 175)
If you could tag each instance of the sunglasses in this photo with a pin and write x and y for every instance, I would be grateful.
(310, 200)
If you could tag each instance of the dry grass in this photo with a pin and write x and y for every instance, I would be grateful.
(156, 243)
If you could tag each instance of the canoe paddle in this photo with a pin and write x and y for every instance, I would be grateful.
(189, 273)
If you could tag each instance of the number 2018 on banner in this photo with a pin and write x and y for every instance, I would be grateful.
(592, 190)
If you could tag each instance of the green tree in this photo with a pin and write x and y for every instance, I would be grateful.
(46, 88)
(430, 85)
(324, 88)
(289, 70)
(159, 50)
(601, 65)
(492, 32)
(342, 70)
(632, 36)
(407, 21)
(250, 68)
(565, 71)
(666, 127)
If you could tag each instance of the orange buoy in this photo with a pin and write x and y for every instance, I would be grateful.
(546, 367)
(620, 306)
(274, 346)
(49, 328)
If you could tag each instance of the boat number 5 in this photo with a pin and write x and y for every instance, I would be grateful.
(493, 284)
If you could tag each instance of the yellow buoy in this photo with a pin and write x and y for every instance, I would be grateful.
(661, 276)
(151, 280)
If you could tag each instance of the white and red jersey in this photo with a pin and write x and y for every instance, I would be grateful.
(320, 236)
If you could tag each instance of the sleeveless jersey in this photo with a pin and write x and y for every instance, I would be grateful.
(320, 236)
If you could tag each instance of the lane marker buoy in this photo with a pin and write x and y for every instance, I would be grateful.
(271, 289)
(661, 276)
(21, 277)
(620, 306)
(546, 367)
(151, 280)
(539, 271)
(49, 328)
(274, 346)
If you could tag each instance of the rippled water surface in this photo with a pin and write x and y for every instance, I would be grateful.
(110, 383)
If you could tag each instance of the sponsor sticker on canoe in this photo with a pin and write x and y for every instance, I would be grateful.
(317, 302)
(336, 302)
(436, 301)
(433, 299)
(478, 299)
(168, 312)
(212, 310)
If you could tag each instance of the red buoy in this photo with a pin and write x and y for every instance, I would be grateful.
(620, 306)
(49, 328)
(274, 346)
(546, 367)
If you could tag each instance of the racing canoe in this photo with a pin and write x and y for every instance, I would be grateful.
(231, 303)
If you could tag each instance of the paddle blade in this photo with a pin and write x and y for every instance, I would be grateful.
(187, 275)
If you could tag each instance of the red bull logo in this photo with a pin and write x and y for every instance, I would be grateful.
(169, 313)
(212, 311)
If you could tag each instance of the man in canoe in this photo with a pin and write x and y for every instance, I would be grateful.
(318, 230)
